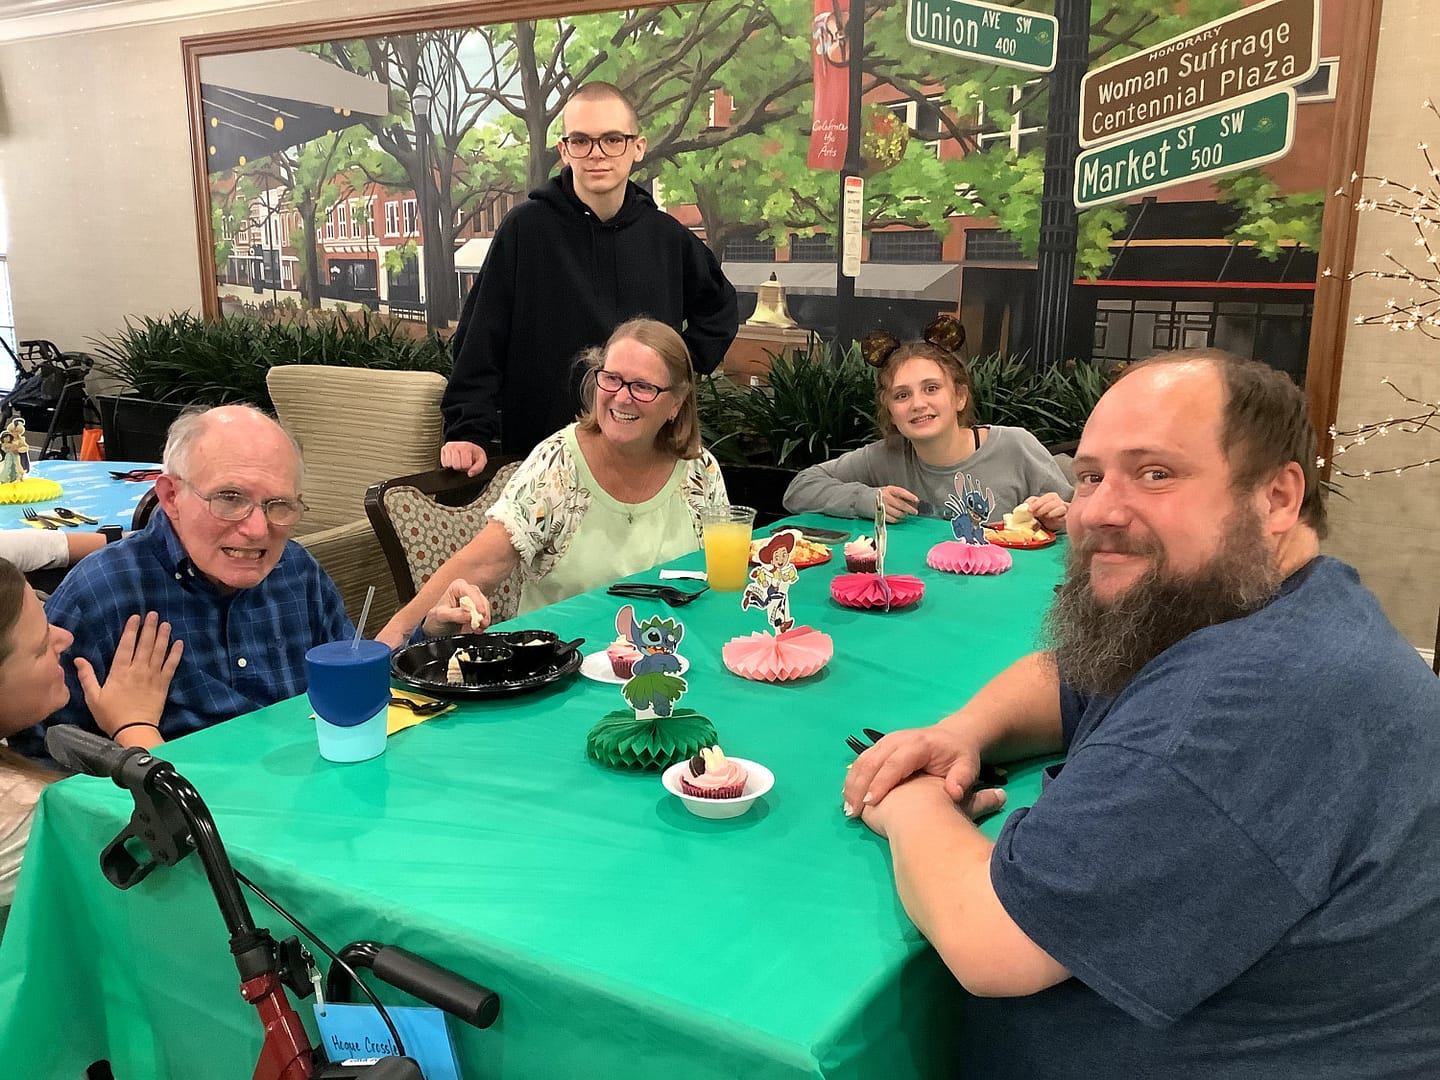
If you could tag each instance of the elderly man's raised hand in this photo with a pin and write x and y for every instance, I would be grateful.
(462, 610)
(938, 751)
(464, 457)
(133, 695)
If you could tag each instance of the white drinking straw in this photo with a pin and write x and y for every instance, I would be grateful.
(364, 614)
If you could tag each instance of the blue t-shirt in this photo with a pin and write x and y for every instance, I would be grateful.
(243, 651)
(1239, 863)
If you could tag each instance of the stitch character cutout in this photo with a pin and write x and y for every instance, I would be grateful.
(969, 509)
(655, 683)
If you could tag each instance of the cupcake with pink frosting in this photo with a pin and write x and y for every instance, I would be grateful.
(860, 556)
(622, 656)
(711, 775)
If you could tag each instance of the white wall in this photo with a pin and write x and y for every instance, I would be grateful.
(96, 195)
(1389, 526)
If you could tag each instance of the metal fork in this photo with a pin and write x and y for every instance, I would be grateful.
(39, 522)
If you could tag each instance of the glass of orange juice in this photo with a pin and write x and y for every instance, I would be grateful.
(727, 545)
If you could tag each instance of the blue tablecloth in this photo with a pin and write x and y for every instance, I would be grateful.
(89, 489)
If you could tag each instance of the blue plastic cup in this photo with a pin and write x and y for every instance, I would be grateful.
(350, 693)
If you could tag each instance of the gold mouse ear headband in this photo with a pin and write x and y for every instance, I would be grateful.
(944, 331)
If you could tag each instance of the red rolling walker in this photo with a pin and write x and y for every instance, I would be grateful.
(171, 820)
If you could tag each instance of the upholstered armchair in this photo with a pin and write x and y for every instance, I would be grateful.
(424, 518)
(356, 426)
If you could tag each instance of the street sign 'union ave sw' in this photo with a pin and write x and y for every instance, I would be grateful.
(1001, 35)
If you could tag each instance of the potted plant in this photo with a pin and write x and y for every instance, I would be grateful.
(1051, 401)
(811, 410)
(179, 360)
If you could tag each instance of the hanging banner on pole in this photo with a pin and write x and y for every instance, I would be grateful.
(829, 59)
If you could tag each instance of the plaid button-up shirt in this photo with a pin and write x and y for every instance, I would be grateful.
(242, 651)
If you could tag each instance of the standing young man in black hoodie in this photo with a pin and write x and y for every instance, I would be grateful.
(587, 251)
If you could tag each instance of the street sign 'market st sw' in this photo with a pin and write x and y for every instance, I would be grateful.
(979, 31)
(1241, 134)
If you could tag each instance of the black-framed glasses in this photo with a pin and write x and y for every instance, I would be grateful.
(639, 389)
(233, 506)
(612, 143)
(944, 331)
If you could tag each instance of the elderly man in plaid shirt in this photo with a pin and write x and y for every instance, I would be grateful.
(217, 563)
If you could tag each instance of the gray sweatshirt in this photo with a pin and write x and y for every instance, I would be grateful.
(1011, 462)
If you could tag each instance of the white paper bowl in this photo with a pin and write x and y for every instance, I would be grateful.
(757, 783)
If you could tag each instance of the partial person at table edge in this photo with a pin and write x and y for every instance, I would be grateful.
(618, 491)
(217, 562)
(588, 250)
(45, 549)
(1237, 871)
(32, 687)
(926, 412)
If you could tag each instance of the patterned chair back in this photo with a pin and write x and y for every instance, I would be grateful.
(428, 532)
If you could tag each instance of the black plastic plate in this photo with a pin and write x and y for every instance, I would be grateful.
(423, 665)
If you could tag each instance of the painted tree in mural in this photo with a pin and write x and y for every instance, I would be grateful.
(763, 185)
(496, 94)
(309, 173)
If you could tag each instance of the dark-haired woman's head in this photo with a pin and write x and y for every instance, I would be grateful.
(32, 683)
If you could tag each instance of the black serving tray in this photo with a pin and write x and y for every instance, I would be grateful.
(423, 665)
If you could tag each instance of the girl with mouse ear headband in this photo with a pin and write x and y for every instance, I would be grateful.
(925, 402)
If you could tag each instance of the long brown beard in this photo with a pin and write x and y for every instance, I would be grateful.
(1101, 645)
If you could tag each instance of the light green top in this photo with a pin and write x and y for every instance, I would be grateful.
(614, 539)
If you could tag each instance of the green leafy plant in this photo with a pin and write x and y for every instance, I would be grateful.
(184, 359)
(812, 410)
(1050, 401)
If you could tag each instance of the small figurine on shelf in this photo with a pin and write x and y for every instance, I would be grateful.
(12, 466)
(653, 733)
(770, 581)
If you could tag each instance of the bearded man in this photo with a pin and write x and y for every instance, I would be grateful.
(1237, 872)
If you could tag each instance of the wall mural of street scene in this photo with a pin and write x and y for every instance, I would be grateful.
(372, 171)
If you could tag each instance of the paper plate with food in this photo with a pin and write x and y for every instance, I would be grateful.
(1020, 530)
(805, 553)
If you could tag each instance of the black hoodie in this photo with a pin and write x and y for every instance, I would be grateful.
(558, 280)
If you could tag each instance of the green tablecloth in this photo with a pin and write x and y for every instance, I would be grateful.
(626, 937)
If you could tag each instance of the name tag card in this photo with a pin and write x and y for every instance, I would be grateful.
(355, 1034)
